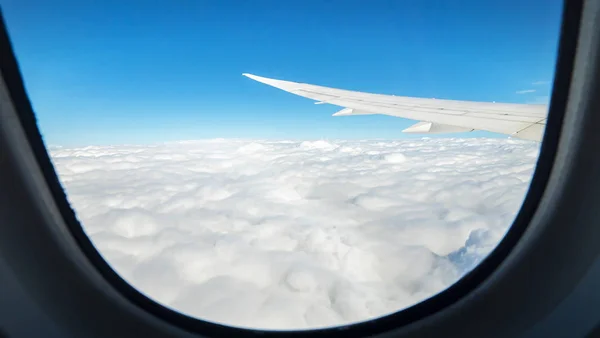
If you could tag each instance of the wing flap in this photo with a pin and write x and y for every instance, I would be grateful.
(434, 128)
(350, 111)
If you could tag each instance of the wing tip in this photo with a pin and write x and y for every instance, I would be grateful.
(261, 79)
(252, 76)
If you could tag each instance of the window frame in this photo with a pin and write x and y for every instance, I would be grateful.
(32, 159)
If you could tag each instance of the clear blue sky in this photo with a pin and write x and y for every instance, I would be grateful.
(113, 71)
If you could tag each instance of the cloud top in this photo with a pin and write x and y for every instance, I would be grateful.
(290, 235)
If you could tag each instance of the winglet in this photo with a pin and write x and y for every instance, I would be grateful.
(258, 78)
(283, 85)
(253, 77)
(265, 80)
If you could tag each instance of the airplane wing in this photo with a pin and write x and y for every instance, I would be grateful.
(525, 121)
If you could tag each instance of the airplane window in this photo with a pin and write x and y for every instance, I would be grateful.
(235, 199)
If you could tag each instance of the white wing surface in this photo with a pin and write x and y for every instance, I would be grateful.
(525, 121)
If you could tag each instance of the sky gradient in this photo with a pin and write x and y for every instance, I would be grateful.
(115, 72)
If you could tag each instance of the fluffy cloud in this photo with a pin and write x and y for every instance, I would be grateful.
(293, 234)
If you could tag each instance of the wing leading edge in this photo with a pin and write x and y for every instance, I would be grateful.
(525, 121)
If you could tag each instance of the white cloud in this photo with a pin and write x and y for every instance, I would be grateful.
(296, 234)
(540, 83)
(525, 91)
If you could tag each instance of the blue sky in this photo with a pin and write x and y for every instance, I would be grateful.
(110, 72)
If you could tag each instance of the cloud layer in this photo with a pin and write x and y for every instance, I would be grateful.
(293, 234)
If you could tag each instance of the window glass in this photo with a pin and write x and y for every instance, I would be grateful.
(238, 203)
